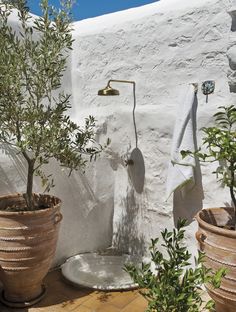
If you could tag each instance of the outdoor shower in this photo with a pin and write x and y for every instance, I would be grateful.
(104, 270)
(135, 162)
(109, 91)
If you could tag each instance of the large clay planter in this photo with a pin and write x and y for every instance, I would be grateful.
(219, 245)
(27, 246)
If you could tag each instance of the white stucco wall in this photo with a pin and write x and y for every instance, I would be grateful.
(162, 47)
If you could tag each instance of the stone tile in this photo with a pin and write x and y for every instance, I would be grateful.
(55, 308)
(83, 309)
(104, 296)
(137, 305)
(61, 296)
(93, 303)
(66, 306)
(116, 299)
(77, 303)
(123, 298)
(36, 310)
(61, 301)
(71, 305)
(52, 308)
(107, 308)
(70, 291)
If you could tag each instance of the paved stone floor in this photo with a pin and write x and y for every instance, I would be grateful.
(63, 297)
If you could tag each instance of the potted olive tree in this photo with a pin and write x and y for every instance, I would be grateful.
(216, 234)
(35, 123)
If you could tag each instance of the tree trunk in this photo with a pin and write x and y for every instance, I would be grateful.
(29, 191)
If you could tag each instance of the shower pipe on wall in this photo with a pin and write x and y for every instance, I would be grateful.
(109, 91)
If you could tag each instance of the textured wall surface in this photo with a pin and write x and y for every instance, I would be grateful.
(163, 47)
(232, 50)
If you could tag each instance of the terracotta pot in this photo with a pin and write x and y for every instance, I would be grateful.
(219, 245)
(27, 246)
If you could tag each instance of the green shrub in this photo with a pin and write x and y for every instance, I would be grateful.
(219, 145)
(174, 286)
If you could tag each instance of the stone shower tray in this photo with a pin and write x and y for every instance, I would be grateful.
(100, 272)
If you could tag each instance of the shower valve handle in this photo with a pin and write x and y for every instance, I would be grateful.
(129, 162)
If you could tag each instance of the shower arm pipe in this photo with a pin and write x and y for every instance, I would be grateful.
(122, 81)
(134, 95)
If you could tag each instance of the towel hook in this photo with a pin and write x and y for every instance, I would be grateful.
(208, 87)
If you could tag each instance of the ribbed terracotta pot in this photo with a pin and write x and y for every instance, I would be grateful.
(219, 246)
(27, 247)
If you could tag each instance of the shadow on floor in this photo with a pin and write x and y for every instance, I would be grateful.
(58, 294)
(63, 297)
(59, 291)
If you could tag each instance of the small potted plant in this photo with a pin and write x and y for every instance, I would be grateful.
(216, 234)
(168, 282)
(34, 122)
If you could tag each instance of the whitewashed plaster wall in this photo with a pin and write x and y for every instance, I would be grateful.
(163, 47)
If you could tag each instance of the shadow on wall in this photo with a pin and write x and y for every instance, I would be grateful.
(231, 54)
(137, 170)
(13, 170)
(127, 238)
(187, 201)
(127, 209)
(87, 221)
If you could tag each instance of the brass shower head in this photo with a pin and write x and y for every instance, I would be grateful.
(108, 91)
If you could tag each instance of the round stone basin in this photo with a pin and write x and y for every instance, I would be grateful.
(101, 272)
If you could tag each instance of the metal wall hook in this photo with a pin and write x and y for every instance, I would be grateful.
(208, 87)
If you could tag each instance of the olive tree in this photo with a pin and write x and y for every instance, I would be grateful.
(33, 107)
(219, 145)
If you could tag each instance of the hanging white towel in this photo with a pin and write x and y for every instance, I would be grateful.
(181, 171)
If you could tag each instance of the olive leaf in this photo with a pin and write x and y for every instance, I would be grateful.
(174, 286)
(34, 115)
